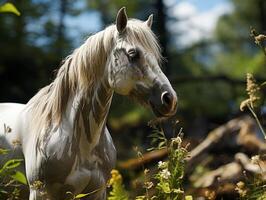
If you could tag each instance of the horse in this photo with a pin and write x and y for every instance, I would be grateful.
(61, 132)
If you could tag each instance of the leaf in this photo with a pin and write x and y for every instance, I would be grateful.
(3, 151)
(81, 195)
(9, 7)
(20, 177)
(140, 197)
(11, 164)
(165, 187)
(188, 197)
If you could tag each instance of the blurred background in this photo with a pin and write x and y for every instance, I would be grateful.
(206, 43)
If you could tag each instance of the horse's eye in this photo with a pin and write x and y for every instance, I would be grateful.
(133, 53)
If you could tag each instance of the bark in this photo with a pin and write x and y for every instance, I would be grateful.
(162, 32)
(61, 26)
(239, 133)
(262, 14)
(232, 172)
(136, 163)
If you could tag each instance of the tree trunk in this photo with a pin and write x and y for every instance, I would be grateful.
(262, 14)
(162, 32)
(61, 27)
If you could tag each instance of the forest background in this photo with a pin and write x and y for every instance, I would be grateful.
(207, 46)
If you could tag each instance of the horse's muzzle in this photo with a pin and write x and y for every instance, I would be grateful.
(164, 104)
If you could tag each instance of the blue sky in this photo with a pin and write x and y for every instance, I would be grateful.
(197, 19)
(202, 16)
(205, 5)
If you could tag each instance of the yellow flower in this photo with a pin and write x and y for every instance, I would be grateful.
(115, 177)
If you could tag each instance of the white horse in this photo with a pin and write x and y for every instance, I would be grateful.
(61, 131)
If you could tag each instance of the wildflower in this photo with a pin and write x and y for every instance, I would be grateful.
(260, 38)
(16, 143)
(146, 171)
(240, 188)
(141, 197)
(162, 165)
(244, 104)
(165, 174)
(178, 191)
(118, 189)
(255, 159)
(252, 90)
(37, 185)
(210, 195)
(177, 140)
(148, 185)
(188, 197)
(116, 177)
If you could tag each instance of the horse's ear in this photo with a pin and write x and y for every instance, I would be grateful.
(149, 21)
(121, 20)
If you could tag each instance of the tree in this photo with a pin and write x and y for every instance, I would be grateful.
(32, 46)
(238, 53)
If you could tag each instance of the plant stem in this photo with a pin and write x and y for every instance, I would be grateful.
(257, 120)
(263, 48)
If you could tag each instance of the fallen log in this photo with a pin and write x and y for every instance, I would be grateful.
(239, 132)
(232, 172)
(134, 163)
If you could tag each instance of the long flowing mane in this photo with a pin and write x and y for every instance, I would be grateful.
(83, 68)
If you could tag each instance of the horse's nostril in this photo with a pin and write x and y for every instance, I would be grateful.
(166, 98)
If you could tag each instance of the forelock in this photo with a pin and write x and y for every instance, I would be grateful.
(138, 33)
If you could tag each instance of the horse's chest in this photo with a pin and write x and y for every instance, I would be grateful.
(82, 168)
(92, 173)
(88, 174)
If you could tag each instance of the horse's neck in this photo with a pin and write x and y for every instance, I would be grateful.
(92, 111)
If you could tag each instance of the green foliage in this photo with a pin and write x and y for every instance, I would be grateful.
(78, 196)
(168, 181)
(256, 190)
(119, 118)
(109, 9)
(158, 140)
(237, 55)
(9, 165)
(10, 178)
(188, 197)
(3, 151)
(20, 177)
(9, 7)
(171, 172)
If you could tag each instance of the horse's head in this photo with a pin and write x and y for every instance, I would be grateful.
(134, 66)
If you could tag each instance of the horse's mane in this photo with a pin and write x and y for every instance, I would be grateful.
(83, 68)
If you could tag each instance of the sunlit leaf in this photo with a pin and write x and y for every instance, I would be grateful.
(11, 164)
(81, 195)
(188, 197)
(20, 177)
(3, 151)
(165, 187)
(9, 7)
